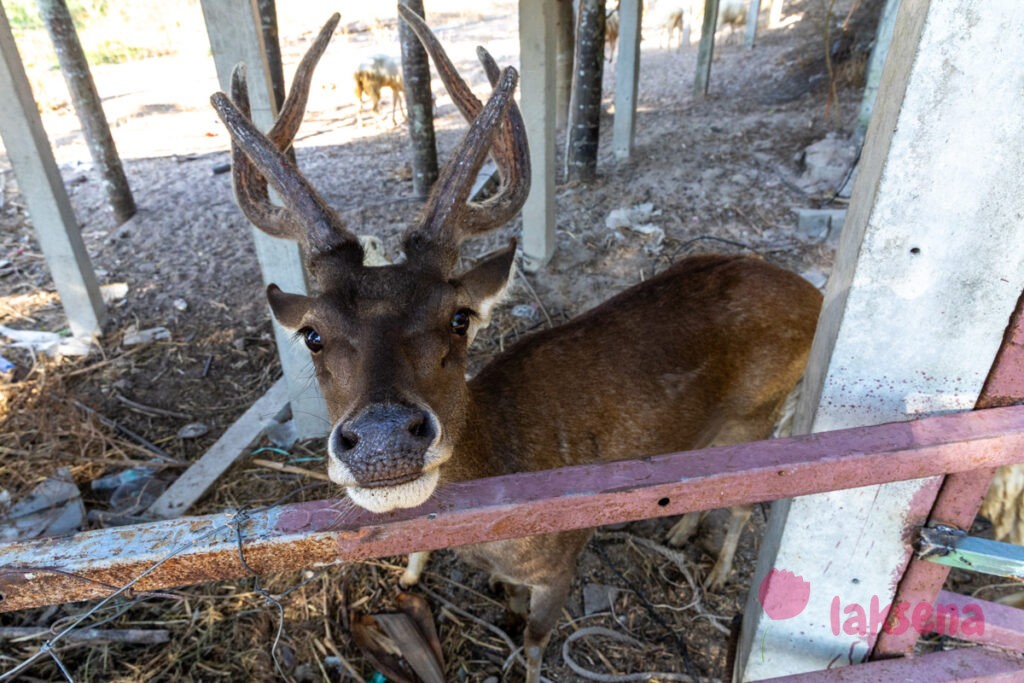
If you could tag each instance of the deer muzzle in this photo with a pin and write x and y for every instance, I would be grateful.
(385, 455)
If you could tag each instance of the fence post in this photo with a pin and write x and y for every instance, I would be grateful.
(930, 266)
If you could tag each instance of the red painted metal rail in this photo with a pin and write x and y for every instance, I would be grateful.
(197, 549)
(961, 494)
(970, 665)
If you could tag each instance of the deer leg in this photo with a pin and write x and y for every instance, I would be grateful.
(417, 563)
(401, 105)
(518, 599)
(683, 530)
(546, 602)
(737, 522)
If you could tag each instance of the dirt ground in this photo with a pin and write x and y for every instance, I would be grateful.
(722, 173)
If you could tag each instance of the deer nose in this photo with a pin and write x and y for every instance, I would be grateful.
(384, 444)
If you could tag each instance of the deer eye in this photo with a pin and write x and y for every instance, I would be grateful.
(312, 339)
(460, 321)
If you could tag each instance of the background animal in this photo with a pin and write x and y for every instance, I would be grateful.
(703, 354)
(673, 26)
(611, 32)
(382, 71)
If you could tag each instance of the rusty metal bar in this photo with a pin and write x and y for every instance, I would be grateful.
(197, 549)
(971, 665)
(961, 494)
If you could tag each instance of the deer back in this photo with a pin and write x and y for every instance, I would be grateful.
(704, 353)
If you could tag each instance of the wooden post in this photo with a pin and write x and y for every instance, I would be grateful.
(627, 72)
(753, 11)
(75, 69)
(236, 36)
(706, 50)
(419, 103)
(929, 268)
(47, 200)
(585, 105)
(272, 44)
(565, 37)
(537, 29)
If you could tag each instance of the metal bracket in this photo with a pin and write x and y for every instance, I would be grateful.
(952, 547)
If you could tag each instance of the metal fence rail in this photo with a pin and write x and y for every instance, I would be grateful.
(197, 549)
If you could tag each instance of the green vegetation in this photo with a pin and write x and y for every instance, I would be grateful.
(116, 52)
(24, 15)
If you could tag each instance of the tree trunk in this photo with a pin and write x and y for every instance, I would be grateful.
(272, 44)
(88, 106)
(419, 103)
(585, 108)
(563, 68)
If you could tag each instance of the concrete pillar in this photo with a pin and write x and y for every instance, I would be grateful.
(880, 50)
(929, 269)
(753, 10)
(43, 189)
(236, 36)
(627, 74)
(537, 47)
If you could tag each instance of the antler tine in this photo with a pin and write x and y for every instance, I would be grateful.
(259, 158)
(512, 154)
(321, 230)
(510, 149)
(294, 107)
(440, 231)
(250, 186)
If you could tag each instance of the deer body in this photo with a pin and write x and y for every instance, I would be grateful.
(682, 361)
(703, 354)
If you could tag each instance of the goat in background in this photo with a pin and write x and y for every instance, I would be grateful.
(382, 71)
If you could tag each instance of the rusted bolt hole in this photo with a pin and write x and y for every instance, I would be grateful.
(915, 250)
(663, 502)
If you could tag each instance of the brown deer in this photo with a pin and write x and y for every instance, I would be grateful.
(704, 353)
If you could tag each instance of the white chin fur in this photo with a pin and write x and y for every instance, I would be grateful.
(388, 498)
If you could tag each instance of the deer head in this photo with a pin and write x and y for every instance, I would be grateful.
(389, 344)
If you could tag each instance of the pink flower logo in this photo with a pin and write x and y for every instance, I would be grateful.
(783, 594)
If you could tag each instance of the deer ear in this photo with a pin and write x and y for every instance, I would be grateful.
(289, 309)
(487, 282)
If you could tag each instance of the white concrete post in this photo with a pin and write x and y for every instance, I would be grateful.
(236, 36)
(43, 189)
(879, 51)
(753, 10)
(537, 47)
(775, 14)
(627, 73)
(929, 269)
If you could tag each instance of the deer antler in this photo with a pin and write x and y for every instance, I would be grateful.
(258, 159)
(498, 127)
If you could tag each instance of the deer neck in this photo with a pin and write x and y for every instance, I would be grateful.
(478, 453)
